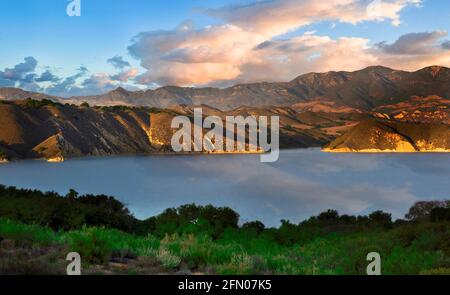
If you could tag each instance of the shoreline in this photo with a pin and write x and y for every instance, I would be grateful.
(378, 151)
(61, 159)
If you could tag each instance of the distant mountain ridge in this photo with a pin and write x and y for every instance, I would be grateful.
(365, 89)
(11, 93)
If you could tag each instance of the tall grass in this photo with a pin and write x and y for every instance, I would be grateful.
(405, 250)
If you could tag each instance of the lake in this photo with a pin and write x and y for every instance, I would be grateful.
(302, 183)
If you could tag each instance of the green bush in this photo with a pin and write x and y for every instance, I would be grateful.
(33, 103)
(210, 240)
(91, 246)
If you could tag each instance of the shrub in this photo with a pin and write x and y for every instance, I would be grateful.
(91, 247)
(380, 218)
(209, 239)
(422, 210)
(256, 226)
(167, 259)
(32, 103)
(440, 214)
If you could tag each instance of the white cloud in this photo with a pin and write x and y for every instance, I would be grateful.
(25, 76)
(252, 46)
(276, 17)
(244, 50)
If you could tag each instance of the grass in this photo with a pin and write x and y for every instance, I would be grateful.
(44, 227)
(421, 249)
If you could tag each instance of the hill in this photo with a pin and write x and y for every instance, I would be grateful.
(377, 135)
(45, 129)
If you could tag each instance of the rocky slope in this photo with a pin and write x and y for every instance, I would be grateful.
(377, 135)
(431, 109)
(43, 129)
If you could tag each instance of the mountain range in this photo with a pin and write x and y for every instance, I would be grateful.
(374, 109)
(365, 90)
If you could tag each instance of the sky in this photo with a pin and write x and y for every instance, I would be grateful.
(144, 44)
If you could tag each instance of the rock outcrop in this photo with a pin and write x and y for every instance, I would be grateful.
(376, 135)
(53, 131)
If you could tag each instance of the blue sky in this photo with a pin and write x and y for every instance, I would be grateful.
(192, 57)
(41, 28)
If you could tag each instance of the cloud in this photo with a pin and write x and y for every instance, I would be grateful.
(125, 76)
(414, 51)
(118, 62)
(24, 75)
(20, 71)
(67, 86)
(187, 56)
(414, 43)
(6, 82)
(47, 76)
(275, 17)
(239, 50)
(251, 44)
(296, 187)
(446, 45)
(98, 83)
(286, 59)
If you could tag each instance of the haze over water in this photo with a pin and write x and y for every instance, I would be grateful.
(302, 183)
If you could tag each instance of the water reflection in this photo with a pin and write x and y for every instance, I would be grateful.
(300, 184)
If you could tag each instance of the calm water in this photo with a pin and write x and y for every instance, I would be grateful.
(302, 183)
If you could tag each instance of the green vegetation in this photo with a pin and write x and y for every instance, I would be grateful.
(120, 108)
(206, 239)
(33, 103)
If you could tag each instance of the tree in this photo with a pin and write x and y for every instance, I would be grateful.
(380, 218)
(257, 226)
(440, 214)
(328, 216)
(72, 195)
(422, 210)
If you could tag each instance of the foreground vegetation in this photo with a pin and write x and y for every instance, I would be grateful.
(38, 229)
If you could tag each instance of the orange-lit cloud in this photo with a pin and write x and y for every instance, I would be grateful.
(245, 48)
